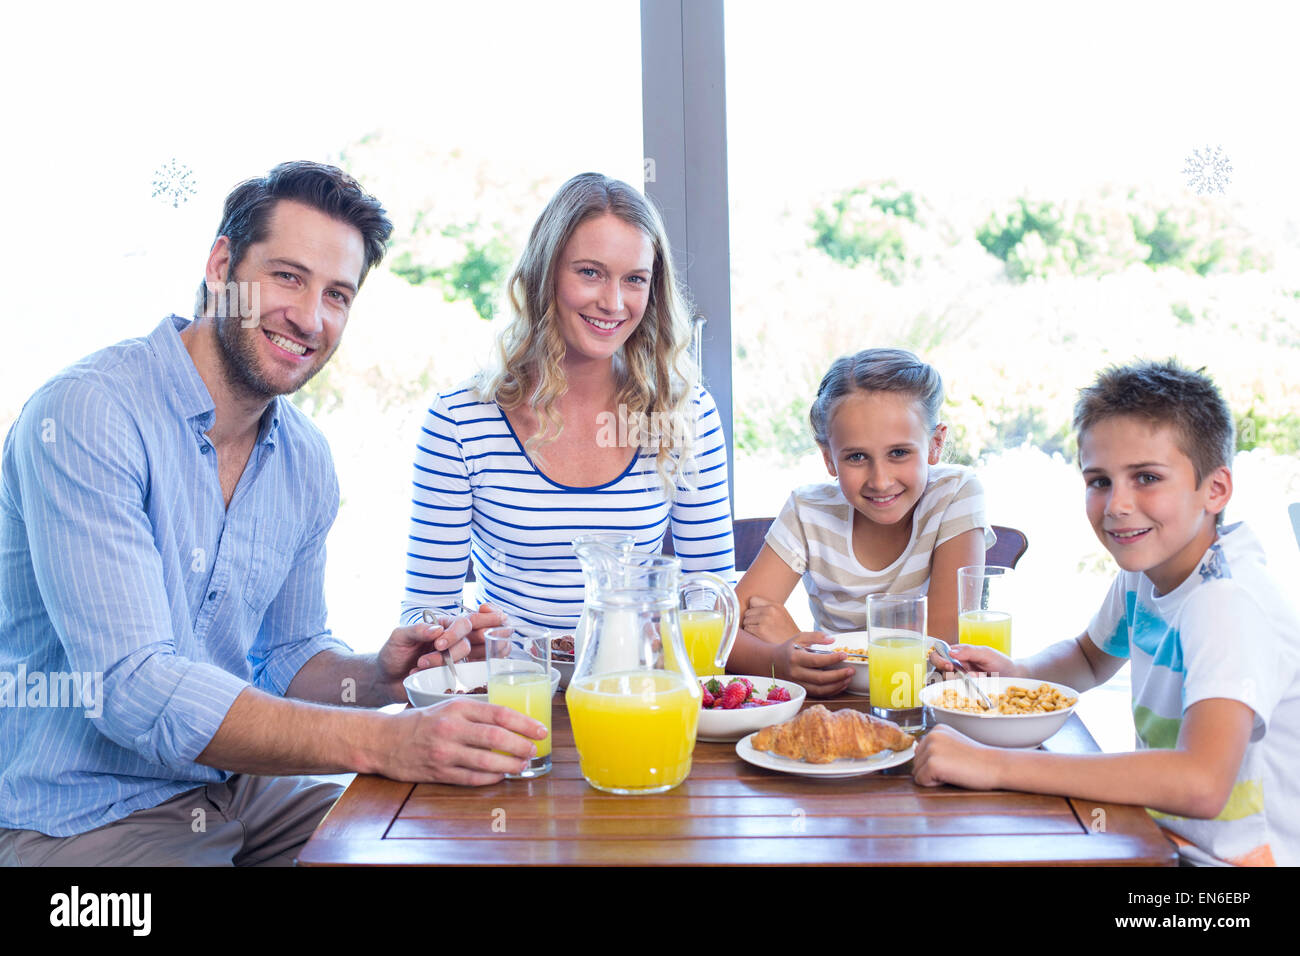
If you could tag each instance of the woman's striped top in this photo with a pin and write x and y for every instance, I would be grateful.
(478, 496)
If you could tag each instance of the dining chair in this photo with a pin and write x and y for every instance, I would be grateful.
(1294, 508)
(747, 534)
(1009, 548)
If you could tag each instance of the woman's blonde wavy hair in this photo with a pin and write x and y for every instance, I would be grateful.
(654, 370)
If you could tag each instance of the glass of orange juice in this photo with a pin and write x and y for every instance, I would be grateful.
(896, 657)
(519, 677)
(984, 606)
(701, 619)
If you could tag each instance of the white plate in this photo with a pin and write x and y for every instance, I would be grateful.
(837, 768)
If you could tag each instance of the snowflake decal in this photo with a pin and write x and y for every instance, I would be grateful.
(1208, 171)
(173, 183)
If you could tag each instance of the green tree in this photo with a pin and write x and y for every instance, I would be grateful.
(867, 224)
(478, 275)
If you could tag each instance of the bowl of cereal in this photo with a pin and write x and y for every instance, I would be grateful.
(1028, 710)
(855, 645)
(562, 658)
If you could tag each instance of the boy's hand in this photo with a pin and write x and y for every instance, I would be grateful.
(979, 659)
(946, 756)
(768, 620)
(818, 672)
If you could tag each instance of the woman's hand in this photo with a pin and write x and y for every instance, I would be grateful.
(480, 621)
(818, 671)
(768, 620)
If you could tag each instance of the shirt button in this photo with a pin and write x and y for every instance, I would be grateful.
(204, 449)
(212, 596)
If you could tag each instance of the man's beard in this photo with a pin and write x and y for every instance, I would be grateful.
(238, 348)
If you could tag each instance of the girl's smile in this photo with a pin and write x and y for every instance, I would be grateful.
(881, 449)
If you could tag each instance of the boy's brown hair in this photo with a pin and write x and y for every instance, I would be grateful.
(1164, 393)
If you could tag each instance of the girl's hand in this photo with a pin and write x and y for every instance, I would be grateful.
(768, 620)
(818, 672)
(980, 660)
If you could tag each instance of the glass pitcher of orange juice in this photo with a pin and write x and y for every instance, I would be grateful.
(634, 700)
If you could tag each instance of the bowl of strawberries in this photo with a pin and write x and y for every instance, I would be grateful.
(735, 707)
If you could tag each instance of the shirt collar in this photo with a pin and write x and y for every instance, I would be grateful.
(190, 395)
(271, 421)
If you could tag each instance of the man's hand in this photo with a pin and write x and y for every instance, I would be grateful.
(413, 648)
(768, 620)
(946, 756)
(454, 742)
(818, 672)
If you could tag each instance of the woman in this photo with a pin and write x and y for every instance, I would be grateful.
(589, 421)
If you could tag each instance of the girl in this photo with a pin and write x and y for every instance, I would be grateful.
(893, 520)
(589, 421)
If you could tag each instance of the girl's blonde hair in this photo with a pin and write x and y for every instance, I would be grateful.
(654, 370)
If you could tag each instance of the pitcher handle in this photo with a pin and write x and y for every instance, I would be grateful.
(708, 581)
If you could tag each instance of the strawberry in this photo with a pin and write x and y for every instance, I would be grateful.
(776, 694)
(734, 695)
(709, 699)
(713, 686)
(749, 688)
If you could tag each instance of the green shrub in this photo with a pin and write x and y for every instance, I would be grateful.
(867, 224)
(478, 275)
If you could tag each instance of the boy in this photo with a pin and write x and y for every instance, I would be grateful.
(1214, 645)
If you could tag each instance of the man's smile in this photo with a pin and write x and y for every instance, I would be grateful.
(286, 344)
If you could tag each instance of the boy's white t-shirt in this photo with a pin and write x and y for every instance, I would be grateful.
(1225, 632)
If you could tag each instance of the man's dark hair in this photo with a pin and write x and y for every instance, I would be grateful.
(325, 188)
(1164, 393)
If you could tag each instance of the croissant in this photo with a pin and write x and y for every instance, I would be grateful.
(818, 735)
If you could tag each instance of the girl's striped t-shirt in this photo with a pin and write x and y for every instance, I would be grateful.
(813, 534)
(478, 496)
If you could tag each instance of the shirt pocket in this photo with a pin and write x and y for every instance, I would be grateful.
(275, 543)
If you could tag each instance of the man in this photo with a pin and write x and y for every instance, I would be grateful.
(163, 516)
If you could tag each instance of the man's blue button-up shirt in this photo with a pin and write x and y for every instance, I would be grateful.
(134, 606)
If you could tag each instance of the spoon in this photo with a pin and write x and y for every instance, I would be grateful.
(431, 618)
(942, 648)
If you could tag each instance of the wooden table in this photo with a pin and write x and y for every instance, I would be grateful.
(728, 812)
